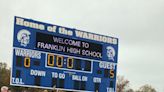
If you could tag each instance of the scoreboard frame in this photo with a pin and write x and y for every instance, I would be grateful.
(42, 49)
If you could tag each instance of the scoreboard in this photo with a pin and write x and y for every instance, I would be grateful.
(55, 57)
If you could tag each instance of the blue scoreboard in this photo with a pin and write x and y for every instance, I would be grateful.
(55, 57)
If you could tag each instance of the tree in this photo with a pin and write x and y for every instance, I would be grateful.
(4, 75)
(130, 90)
(122, 84)
(146, 88)
(3, 65)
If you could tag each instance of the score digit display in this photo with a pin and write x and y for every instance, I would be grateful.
(55, 57)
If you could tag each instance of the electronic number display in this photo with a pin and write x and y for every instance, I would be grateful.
(55, 57)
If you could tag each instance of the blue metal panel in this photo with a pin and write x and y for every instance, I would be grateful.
(55, 57)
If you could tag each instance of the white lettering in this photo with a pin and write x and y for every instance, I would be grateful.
(37, 73)
(22, 22)
(84, 78)
(107, 65)
(51, 28)
(73, 50)
(91, 53)
(95, 37)
(65, 31)
(67, 41)
(54, 75)
(76, 77)
(58, 75)
(96, 80)
(50, 46)
(79, 78)
(110, 89)
(17, 81)
(61, 75)
(27, 53)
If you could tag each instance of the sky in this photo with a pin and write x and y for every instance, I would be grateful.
(139, 25)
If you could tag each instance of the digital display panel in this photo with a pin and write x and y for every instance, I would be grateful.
(56, 57)
(68, 46)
